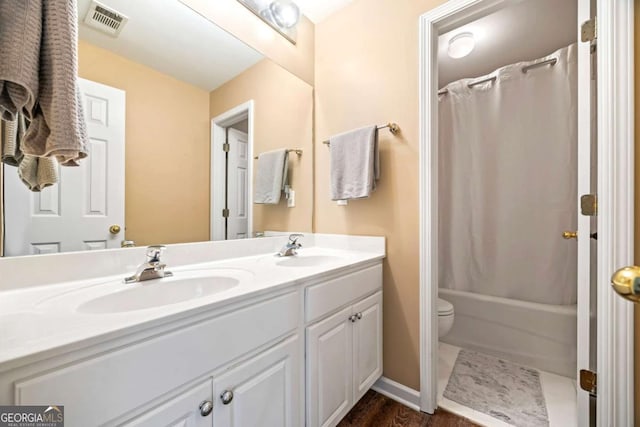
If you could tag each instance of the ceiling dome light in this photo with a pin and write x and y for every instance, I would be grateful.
(285, 12)
(461, 45)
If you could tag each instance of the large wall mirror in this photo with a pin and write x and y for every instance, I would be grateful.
(156, 114)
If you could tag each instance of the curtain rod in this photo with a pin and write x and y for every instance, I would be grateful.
(393, 128)
(524, 69)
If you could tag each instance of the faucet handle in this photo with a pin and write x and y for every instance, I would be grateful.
(293, 238)
(155, 252)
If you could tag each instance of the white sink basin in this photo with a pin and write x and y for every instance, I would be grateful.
(117, 297)
(157, 293)
(307, 260)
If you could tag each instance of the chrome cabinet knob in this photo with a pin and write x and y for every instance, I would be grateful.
(626, 283)
(353, 318)
(206, 406)
(359, 316)
(226, 397)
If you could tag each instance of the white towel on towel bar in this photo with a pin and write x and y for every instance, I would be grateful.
(271, 176)
(355, 163)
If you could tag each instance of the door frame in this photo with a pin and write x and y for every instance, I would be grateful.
(615, 79)
(218, 138)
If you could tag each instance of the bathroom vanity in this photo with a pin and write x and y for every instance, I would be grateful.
(237, 337)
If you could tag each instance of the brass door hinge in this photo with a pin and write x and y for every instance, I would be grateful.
(589, 30)
(225, 213)
(588, 381)
(589, 205)
(225, 147)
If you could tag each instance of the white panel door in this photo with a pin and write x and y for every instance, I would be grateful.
(181, 411)
(367, 344)
(76, 213)
(238, 181)
(329, 370)
(586, 343)
(264, 391)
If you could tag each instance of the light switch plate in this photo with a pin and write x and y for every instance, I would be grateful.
(291, 201)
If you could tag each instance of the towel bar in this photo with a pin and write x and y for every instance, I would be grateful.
(298, 151)
(393, 128)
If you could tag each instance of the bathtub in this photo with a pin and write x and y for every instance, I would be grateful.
(541, 336)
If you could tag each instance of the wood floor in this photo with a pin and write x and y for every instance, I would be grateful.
(376, 410)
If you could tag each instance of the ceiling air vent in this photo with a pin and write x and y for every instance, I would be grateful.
(104, 19)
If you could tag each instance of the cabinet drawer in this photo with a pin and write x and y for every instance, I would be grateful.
(128, 378)
(325, 297)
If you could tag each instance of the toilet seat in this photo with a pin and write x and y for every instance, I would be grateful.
(445, 308)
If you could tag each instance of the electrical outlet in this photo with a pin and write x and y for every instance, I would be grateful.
(342, 202)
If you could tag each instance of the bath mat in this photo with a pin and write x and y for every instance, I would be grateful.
(501, 389)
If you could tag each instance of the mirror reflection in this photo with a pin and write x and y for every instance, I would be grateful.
(174, 138)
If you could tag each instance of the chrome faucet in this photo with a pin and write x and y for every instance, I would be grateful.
(152, 269)
(292, 246)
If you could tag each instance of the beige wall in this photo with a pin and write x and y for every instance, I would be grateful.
(367, 73)
(239, 21)
(167, 149)
(283, 106)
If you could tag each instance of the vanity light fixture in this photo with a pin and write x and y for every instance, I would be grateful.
(461, 45)
(285, 12)
(281, 15)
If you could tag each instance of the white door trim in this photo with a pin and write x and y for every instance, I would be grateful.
(615, 333)
(615, 193)
(218, 125)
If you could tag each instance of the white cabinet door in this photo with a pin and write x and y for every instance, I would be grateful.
(367, 344)
(329, 370)
(182, 411)
(264, 391)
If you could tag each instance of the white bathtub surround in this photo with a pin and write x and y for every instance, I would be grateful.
(559, 394)
(542, 336)
(248, 339)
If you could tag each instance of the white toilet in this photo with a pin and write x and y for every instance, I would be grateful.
(445, 317)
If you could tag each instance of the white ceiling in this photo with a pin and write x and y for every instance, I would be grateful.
(523, 31)
(168, 36)
(318, 10)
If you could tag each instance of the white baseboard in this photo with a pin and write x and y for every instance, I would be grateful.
(398, 392)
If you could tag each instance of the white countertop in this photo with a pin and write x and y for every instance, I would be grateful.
(36, 319)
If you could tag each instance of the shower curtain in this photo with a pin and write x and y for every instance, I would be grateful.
(508, 182)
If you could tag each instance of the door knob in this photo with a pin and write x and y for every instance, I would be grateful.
(626, 282)
(114, 229)
(570, 235)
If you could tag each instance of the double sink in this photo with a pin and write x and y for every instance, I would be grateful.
(116, 297)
